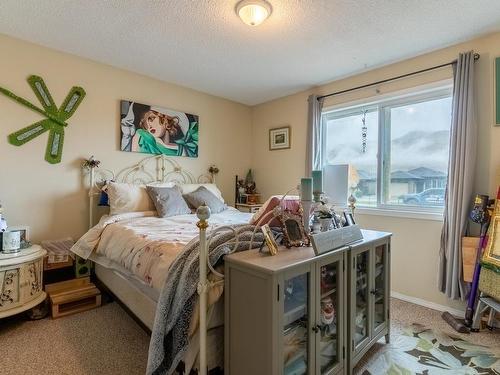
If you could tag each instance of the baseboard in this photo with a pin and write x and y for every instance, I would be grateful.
(430, 305)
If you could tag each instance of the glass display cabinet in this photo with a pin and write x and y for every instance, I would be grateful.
(288, 314)
(368, 297)
(313, 340)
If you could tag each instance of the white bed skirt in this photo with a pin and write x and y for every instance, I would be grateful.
(141, 301)
(129, 293)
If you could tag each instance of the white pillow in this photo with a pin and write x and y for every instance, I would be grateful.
(162, 184)
(125, 197)
(189, 188)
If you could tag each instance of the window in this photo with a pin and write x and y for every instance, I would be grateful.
(397, 146)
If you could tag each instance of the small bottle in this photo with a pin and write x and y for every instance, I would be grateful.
(3, 223)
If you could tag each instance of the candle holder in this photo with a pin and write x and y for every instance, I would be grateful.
(306, 215)
(315, 223)
(351, 203)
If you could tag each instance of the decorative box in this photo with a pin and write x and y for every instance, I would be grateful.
(11, 241)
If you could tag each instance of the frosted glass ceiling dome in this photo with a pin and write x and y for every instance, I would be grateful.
(253, 12)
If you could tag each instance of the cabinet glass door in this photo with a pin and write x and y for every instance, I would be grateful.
(296, 325)
(329, 316)
(361, 265)
(379, 290)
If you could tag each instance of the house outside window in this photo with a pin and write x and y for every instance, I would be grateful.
(398, 146)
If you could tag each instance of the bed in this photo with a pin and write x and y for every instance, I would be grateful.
(133, 250)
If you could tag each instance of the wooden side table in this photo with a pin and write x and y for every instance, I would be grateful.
(252, 208)
(21, 280)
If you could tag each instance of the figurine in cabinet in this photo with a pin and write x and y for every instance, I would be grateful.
(327, 278)
(327, 311)
(328, 317)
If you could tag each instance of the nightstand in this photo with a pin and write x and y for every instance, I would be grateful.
(21, 279)
(252, 208)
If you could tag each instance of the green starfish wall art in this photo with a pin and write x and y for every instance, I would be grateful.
(54, 121)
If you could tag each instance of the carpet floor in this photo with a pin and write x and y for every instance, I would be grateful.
(108, 341)
(405, 315)
(100, 341)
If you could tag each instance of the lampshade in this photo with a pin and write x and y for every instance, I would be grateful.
(353, 177)
(339, 182)
(253, 12)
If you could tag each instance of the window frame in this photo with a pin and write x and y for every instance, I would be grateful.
(420, 94)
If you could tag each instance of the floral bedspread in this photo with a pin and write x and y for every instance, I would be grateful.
(145, 244)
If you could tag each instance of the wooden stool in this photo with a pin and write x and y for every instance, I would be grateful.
(72, 296)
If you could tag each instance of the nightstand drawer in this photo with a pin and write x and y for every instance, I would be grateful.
(20, 284)
(9, 287)
(21, 277)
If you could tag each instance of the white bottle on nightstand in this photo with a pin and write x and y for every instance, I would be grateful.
(3, 223)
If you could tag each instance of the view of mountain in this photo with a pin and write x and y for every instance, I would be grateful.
(414, 149)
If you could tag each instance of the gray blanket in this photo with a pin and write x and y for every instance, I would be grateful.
(169, 339)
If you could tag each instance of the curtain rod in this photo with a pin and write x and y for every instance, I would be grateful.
(476, 57)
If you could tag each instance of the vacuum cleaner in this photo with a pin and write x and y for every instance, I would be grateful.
(480, 215)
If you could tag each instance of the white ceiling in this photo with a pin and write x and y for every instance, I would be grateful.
(203, 45)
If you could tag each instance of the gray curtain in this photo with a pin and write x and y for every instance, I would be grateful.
(461, 167)
(314, 135)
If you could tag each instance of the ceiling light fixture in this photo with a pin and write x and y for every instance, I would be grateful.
(253, 12)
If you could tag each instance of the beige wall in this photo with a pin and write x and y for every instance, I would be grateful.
(51, 199)
(415, 242)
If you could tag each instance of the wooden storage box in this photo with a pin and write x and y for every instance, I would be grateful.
(72, 296)
(54, 266)
(469, 250)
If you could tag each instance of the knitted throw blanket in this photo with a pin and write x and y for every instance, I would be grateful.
(169, 338)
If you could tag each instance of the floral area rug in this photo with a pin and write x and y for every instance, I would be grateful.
(419, 350)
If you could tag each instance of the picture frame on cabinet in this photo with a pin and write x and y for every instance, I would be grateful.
(269, 239)
(294, 234)
(349, 218)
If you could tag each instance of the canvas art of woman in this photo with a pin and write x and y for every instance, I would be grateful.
(154, 130)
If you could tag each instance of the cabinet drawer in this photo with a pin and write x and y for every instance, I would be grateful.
(20, 284)
(31, 279)
(10, 294)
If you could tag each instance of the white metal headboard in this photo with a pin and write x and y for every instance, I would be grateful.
(153, 169)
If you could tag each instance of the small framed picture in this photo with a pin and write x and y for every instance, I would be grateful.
(269, 239)
(25, 232)
(349, 219)
(279, 138)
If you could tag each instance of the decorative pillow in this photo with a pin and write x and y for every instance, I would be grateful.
(203, 196)
(125, 197)
(189, 188)
(291, 203)
(168, 201)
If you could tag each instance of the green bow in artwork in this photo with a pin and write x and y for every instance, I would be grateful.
(190, 141)
(55, 120)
